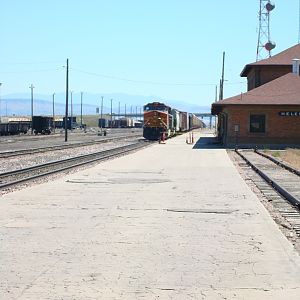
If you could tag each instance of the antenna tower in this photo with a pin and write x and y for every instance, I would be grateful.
(264, 39)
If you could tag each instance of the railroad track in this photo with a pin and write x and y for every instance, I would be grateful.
(16, 177)
(280, 184)
(7, 154)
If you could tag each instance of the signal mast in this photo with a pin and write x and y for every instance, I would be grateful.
(264, 39)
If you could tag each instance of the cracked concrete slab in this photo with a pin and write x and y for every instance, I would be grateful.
(168, 222)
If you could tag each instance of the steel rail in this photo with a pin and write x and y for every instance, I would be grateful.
(92, 157)
(6, 154)
(295, 201)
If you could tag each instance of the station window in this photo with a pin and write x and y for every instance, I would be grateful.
(257, 123)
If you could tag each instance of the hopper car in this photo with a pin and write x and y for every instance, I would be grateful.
(13, 128)
(14, 125)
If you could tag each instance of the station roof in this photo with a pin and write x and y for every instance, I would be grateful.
(283, 58)
(284, 90)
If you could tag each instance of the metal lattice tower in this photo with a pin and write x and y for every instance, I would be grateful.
(264, 38)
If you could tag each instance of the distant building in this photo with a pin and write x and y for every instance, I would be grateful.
(268, 115)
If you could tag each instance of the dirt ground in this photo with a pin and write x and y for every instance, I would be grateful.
(290, 156)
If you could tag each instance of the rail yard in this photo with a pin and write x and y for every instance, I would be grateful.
(164, 221)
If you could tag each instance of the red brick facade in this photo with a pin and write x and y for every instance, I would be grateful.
(262, 74)
(279, 130)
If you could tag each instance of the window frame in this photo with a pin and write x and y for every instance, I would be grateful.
(262, 123)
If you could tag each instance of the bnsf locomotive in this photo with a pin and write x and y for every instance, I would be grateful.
(162, 119)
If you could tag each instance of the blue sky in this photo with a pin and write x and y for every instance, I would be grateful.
(167, 48)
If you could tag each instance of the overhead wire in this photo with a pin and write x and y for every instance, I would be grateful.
(145, 81)
(108, 76)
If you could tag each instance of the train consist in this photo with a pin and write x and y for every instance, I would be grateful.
(162, 119)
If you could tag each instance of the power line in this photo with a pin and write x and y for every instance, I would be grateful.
(31, 71)
(145, 81)
(30, 62)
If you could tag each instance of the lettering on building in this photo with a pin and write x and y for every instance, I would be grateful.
(289, 113)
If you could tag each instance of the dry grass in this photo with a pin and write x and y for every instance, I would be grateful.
(91, 120)
(291, 156)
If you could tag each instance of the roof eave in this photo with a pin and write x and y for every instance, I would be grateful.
(245, 71)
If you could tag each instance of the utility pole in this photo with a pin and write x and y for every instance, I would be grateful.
(125, 111)
(222, 79)
(53, 113)
(119, 111)
(0, 101)
(101, 114)
(67, 100)
(31, 87)
(111, 100)
(81, 108)
(71, 111)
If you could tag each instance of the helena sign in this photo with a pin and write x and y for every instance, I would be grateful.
(289, 113)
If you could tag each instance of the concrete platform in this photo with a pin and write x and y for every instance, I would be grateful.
(168, 222)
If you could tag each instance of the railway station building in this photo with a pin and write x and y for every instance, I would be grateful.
(268, 114)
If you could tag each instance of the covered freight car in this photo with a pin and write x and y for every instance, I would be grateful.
(195, 122)
(176, 120)
(184, 121)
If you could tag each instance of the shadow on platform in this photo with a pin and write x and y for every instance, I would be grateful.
(208, 143)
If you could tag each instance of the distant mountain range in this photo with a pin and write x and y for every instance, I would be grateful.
(20, 104)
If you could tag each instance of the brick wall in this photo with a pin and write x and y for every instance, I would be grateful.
(279, 129)
(260, 75)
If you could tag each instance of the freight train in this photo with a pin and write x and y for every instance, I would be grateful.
(162, 119)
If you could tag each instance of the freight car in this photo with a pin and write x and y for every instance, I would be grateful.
(42, 124)
(184, 121)
(14, 127)
(59, 123)
(103, 123)
(71, 122)
(160, 118)
(195, 122)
